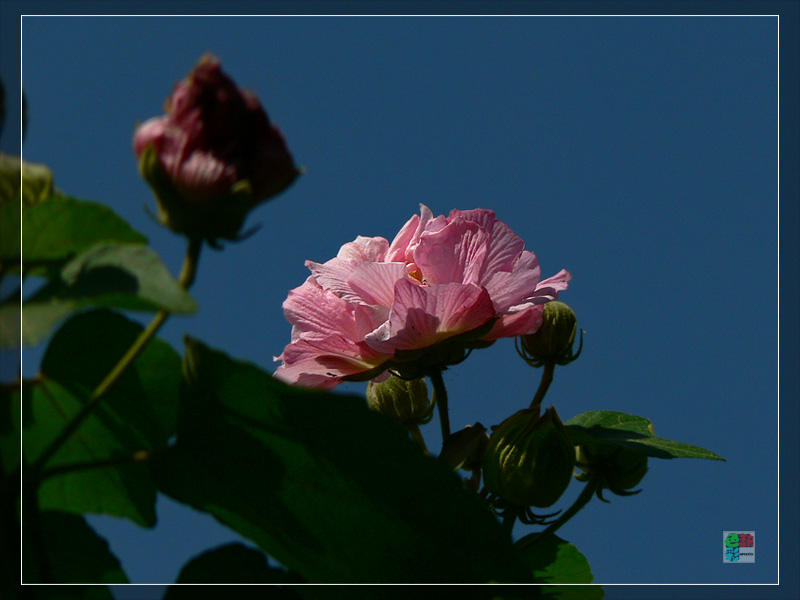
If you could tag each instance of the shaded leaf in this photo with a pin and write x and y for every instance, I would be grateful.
(234, 563)
(9, 429)
(75, 553)
(632, 432)
(58, 229)
(332, 490)
(139, 413)
(462, 446)
(124, 276)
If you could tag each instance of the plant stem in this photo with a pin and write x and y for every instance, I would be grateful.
(544, 384)
(582, 500)
(138, 456)
(185, 280)
(440, 398)
(416, 435)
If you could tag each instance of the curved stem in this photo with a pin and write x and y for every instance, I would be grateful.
(416, 435)
(582, 500)
(544, 384)
(185, 280)
(440, 398)
(138, 456)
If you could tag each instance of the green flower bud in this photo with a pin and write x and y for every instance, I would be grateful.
(404, 400)
(552, 342)
(620, 468)
(529, 459)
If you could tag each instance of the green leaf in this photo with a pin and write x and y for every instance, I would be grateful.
(59, 228)
(632, 432)
(124, 490)
(554, 560)
(124, 276)
(75, 553)
(139, 413)
(234, 563)
(329, 488)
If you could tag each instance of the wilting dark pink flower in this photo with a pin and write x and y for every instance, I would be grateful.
(213, 155)
(445, 285)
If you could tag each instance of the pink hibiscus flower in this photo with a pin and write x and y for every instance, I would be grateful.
(443, 286)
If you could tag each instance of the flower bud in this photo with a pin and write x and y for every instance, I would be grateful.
(213, 157)
(621, 469)
(529, 459)
(404, 400)
(552, 342)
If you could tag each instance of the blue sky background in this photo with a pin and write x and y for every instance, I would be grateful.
(639, 153)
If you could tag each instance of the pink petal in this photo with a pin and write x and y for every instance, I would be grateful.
(548, 289)
(149, 132)
(399, 245)
(333, 276)
(324, 362)
(374, 282)
(455, 253)
(204, 176)
(526, 320)
(508, 289)
(313, 310)
(504, 245)
(424, 315)
(365, 249)
(427, 224)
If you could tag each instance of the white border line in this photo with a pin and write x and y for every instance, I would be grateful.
(448, 16)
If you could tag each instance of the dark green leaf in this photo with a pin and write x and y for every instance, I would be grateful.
(139, 413)
(9, 429)
(58, 229)
(234, 563)
(124, 276)
(75, 553)
(332, 490)
(631, 432)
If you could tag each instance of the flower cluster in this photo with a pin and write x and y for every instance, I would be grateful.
(443, 286)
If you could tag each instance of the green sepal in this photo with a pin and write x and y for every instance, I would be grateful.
(209, 219)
